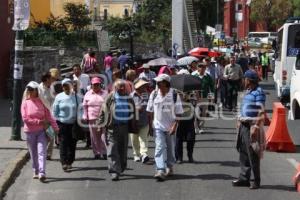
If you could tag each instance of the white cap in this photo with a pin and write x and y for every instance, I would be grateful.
(66, 80)
(33, 84)
(184, 71)
(146, 66)
(162, 77)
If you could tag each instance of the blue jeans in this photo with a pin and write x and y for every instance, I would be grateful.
(164, 150)
(109, 73)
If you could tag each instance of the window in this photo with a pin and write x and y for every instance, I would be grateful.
(280, 35)
(105, 14)
(293, 40)
(126, 13)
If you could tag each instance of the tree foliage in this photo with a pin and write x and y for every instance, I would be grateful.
(151, 23)
(77, 16)
(296, 7)
(272, 12)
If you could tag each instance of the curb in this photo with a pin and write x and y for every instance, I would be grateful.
(12, 169)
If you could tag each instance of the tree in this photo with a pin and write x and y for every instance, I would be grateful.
(272, 13)
(77, 16)
(150, 24)
(296, 8)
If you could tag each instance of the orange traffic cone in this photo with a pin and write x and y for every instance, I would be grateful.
(296, 179)
(277, 136)
(267, 120)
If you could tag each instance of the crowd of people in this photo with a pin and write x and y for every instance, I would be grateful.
(126, 103)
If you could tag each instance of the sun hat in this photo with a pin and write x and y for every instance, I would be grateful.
(140, 83)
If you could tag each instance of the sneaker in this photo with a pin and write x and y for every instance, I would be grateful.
(169, 171)
(65, 167)
(97, 157)
(69, 166)
(49, 157)
(145, 159)
(42, 178)
(201, 131)
(104, 156)
(179, 161)
(136, 159)
(114, 177)
(159, 176)
(35, 176)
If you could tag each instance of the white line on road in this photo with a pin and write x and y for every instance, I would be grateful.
(293, 162)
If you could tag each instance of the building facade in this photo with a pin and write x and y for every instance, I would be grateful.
(237, 19)
(100, 9)
(7, 41)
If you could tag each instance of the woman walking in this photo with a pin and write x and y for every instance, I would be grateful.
(64, 110)
(92, 103)
(36, 119)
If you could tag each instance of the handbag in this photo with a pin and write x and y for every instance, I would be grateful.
(49, 131)
(78, 132)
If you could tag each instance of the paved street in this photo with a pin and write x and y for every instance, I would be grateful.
(209, 178)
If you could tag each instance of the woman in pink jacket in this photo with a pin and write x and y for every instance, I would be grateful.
(92, 103)
(36, 119)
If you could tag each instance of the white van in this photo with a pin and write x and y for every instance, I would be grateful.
(287, 49)
(264, 37)
(295, 91)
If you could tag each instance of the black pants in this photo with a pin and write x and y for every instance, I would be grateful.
(179, 149)
(67, 145)
(232, 93)
(223, 88)
(265, 72)
(249, 160)
(185, 132)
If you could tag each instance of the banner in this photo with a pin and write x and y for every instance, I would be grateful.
(21, 14)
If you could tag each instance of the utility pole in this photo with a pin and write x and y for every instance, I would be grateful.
(21, 23)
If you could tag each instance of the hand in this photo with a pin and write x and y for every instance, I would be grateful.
(46, 124)
(150, 132)
(173, 129)
(254, 133)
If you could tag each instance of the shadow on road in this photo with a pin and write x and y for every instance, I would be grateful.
(222, 163)
(54, 179)
(279, 187)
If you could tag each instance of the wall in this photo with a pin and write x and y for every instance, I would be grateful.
(40, 10)
(114, 7)
(40, 59)
(6, 41)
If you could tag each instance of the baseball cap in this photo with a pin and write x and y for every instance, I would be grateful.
(251, 74)
(32, 84)
(162, 77)
(145, 66)
(96, 80)
(66, 81)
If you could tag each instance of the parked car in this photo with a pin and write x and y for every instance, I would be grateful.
(295, 91)
(254, 43)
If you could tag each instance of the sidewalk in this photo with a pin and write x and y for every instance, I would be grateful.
(13, 154)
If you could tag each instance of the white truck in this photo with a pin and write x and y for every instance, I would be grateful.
(295, 91)
(288, 48)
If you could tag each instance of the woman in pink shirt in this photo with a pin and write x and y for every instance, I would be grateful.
(92, 103)
(36, 119)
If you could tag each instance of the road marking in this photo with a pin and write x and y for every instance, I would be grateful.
(293, 162)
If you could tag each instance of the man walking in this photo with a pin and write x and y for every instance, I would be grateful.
(234, 74)
(165, 105)
(251, 137)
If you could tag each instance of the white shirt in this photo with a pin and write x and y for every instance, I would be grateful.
(84, 81)
(45, 96)
(164, 109)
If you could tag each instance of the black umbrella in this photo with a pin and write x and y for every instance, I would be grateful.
(185, 83)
